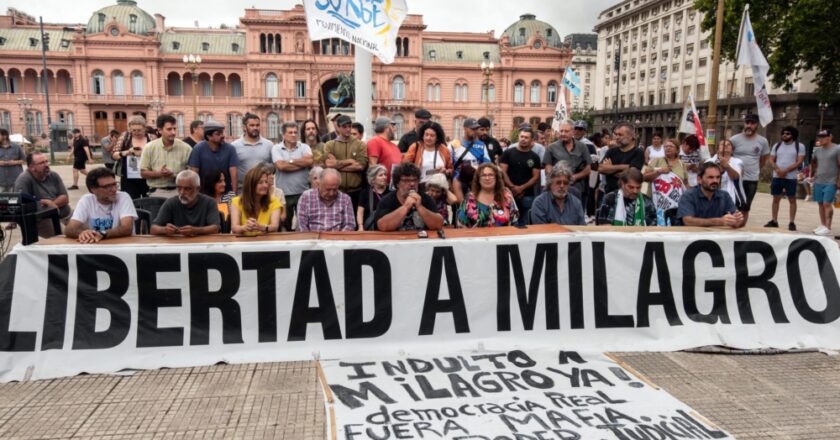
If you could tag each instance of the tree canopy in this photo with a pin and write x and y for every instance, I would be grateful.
(794, 35)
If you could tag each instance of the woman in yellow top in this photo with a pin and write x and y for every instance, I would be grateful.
(257, 211)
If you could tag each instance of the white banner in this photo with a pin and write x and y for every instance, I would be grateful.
(370, 25)
(510, 395)
(102, 308)
(749, 54)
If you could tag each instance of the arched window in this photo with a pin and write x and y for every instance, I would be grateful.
(66, 118)
(399, 46)
(234, 123)
(535, 92)
(235, 86)
(519, 92)
(262, 43)
(273, 127)
(271, 86)
(6, 120)
(461, 92)
(98, 83)
(118, 81)
(179, 118)
(399, 123)
(3, 87)
(174, 85)
(278, 46)
(433, 92)
(458, 130)
(405, 47)
(398, 88)
(137, 86)
(551, 96)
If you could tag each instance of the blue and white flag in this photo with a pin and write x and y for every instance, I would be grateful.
(572, 82)
(750, 54)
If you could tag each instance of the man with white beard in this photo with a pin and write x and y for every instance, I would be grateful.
(190, 213)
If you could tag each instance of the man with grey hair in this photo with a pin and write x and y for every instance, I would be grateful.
(251, 149)
(574, 153)
(292, 160)
(326, 208)
(189, 213)
(555, 205)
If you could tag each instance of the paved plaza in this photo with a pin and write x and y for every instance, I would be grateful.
(771, 396)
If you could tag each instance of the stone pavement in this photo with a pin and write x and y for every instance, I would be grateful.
(783, 396)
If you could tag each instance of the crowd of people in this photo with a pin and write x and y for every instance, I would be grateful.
(424, 181)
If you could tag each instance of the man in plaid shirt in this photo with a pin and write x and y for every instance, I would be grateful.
(326, 208)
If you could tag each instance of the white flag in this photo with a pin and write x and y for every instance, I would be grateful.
(690, 122)
(561, 112)
(369, 25)
(750, 54)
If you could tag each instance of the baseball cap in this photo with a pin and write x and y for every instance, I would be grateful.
(471, 123)
(823, 133)
(423, 114)
(581, 124)
(343, 120)
(751, 117)
(484, 122)
(381, 124)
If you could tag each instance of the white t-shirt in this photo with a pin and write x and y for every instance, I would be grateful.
(726, 183)
(653, 153)
(432, 161)
(787, 155)
(101, 217)
(469, 158)
(694, 158)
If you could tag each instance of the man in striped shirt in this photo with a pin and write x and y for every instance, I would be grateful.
(326, 208)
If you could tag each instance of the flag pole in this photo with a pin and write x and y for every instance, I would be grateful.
(711, 117)
(734, 71)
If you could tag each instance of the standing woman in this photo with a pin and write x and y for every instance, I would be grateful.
(257, 211)
(430, 154)
(489, 203)
(377, 177)
(127, 155)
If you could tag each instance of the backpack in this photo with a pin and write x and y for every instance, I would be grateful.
(795, 141)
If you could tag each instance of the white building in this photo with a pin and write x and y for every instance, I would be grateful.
(584, 54)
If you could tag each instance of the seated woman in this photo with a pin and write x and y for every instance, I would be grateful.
(489, 203)
(214, 186)
(377, 177)
(257, 211)
(437, 187)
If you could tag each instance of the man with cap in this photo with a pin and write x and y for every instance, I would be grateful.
(494, 148)
(421, 116)
(331, 135)
(825, 167)
(580, 129)
(786, 158)
(349, 157)
(753, 150)
(381, 150)
(470, 149)
(213, 153)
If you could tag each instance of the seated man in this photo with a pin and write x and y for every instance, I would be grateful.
(105, 213)
(190, 212)
(47, 186)
(708, 205)
(405, 208)
(555, 205)
(326, 208)
(627, 206)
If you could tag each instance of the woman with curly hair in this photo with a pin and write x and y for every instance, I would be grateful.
(430, 153)
(489, 203)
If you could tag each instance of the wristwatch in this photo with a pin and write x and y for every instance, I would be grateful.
(291, 161)
(104, 234)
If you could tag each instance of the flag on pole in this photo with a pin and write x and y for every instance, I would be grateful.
(371, 26)
(690, 122)
(561, 112)
(749, 54)
(572, 81)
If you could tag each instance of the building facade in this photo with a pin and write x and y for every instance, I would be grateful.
(584, 60)
(125, 61)
(663, 57)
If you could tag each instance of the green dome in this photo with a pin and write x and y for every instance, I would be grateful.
(127, 13)
(520, 32)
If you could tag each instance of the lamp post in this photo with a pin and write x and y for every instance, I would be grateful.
(25, 105)
(191, 63)
(157, 105)
(487, 71)
(823, 107)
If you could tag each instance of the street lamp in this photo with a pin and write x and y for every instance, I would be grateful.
(157, 105)
(25, 106)
(191, 63)
(487, 70)
(823, 107)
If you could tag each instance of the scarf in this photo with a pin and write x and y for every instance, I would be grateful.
(638, 218)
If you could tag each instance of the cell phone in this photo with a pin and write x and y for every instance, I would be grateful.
(422, 234)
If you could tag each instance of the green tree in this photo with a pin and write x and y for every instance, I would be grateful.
(794, 35)
(585, 115)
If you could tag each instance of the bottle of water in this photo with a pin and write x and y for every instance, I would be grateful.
(660, 217)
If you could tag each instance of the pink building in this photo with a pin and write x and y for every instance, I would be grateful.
(125, 61)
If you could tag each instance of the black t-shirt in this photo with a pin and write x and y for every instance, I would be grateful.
(408, 140)
(412, 221)
(635, 158)
(369, 201)
(494, 148)
(79, 148)
(190, 141)
(521, 166)
(205, 212)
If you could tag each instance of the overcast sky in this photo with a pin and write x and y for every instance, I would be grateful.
(567, 16)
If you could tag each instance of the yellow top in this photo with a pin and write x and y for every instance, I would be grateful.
(264, 218)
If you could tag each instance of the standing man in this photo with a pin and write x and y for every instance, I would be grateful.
(47, 185)
(786, 157)
(521, 172)
(80, 152)
(11, 162)
(196, 133)
(293, 161)
(163, 158)
(825, 167)
(104, 213)
(381, 150)
(494, 148)
(251, 149)
(108, 145)
(331, 135)
(575, 154)
(213, 153)
(357, 130)
(348, 156)
(753, 150)
(624, 156)
(310, 137)
(421, 116)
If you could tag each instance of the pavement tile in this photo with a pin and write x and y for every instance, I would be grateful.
(46, 421)
(227, 382)
(16, 394)
(203, 413)
(76, 390)
(126, 418)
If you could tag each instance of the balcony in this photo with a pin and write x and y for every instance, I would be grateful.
(37, 97)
